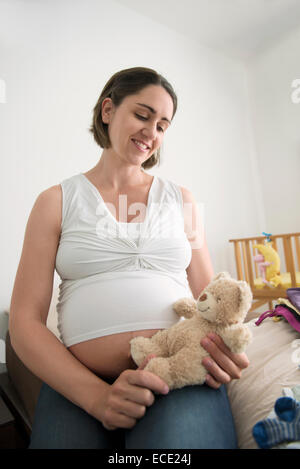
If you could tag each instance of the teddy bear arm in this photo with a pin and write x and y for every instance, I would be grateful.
(185, 307)
(237, 338)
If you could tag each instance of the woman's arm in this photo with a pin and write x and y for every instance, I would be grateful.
(36, 346)
(222, 365)
(200, 270)
(117, 405)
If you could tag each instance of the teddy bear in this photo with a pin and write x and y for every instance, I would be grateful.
(220, 308)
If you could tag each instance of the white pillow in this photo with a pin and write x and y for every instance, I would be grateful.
(274, 356)
(52, 318)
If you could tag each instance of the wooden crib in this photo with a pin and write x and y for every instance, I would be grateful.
(288, 248)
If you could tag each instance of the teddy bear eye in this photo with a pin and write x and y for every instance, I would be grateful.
(218, 299)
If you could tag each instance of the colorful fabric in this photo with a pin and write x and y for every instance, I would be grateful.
(282, 310)
(284, 427)
(290, 305)
(293, 295)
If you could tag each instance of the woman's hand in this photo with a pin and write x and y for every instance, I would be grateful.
(222, 365)
(127, 399)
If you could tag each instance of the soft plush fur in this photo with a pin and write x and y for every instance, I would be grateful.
(221, 308)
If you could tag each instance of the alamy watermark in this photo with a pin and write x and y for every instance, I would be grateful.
(296, 353)
(295, 95)
(166, 220)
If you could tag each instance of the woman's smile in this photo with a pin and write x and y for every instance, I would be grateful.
(139, 145)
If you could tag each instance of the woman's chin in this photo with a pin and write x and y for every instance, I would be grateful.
(137, 159)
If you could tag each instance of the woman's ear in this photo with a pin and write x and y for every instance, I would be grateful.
(107, 108)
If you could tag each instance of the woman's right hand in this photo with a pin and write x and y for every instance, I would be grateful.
(127, 399)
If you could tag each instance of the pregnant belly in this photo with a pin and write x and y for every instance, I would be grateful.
(110, 355)
(98, 316)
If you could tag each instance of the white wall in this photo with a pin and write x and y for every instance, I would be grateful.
(57, 55)
(276, 123)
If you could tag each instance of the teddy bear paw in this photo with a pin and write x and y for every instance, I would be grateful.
(161, 367)
(238, 339)
(139, 347)
(246, 337)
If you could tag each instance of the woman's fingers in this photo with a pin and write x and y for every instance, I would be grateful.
(219, 363)
(214, 370)
(130, 395)
(239, 359)
(210, 381)
(222, 364)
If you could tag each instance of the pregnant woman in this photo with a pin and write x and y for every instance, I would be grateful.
(125, 249)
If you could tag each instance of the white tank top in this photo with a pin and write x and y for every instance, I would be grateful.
(119, 277)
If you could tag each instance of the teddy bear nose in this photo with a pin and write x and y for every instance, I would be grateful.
(203, 297)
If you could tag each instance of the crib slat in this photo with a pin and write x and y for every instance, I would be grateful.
(288, 252)
(274, 243)
(238, 260)
(297, 246)
(249, 264)
(254, 253)
(245, 261)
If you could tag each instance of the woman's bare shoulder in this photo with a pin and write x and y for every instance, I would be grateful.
(52, 192)
(48, 206)
(51, 197)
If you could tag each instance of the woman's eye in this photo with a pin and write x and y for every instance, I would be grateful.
(143, 118)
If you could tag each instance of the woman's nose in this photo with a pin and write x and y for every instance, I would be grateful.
(150, 131)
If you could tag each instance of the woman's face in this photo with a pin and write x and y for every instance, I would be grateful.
(137, 126)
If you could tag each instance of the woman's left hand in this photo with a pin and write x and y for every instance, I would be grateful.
(222, 365)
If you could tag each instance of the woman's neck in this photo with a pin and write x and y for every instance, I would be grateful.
(110, 173)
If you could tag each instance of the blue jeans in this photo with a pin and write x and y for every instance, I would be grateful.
(188, 418)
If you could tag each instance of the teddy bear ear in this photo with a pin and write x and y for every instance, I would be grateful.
(222, 275)
(244, 286)
(245, 295)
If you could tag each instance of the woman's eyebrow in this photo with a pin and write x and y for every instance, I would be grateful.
(153, 111)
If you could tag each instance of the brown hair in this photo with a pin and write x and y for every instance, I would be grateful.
(121, 84)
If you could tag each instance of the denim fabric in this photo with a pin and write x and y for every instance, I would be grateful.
(194, 417)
